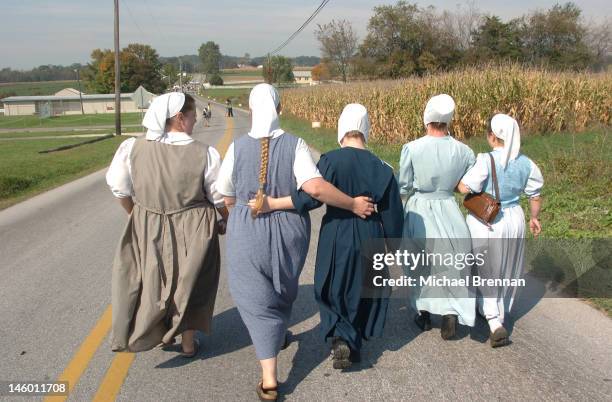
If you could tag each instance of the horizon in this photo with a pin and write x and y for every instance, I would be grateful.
(71, 29)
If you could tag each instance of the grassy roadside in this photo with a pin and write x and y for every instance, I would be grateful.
(24, 172)
(576, 168)
(77, 120)
(30, 134)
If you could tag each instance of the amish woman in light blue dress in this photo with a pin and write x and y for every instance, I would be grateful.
(503, 239)
(430, 169)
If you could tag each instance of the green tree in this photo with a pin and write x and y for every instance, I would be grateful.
(210, 55)
(170, 73)
(404, 39)
(495, 40)
(338, 45)
(139, 66)
(556, 38)
(278, 70)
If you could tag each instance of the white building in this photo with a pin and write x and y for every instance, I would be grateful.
(66, 102)
(303, 77)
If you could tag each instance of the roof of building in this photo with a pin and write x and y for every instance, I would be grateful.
(68, 92)
(63, 98)
(302, 73)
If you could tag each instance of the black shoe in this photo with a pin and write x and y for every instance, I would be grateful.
(341, 354)
(449, 326)
(499, 338)
(287, 342)
(423, 321)
(355, 356)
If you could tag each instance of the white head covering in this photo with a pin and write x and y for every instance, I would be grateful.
(162, 108)
(353, 117)
(506, 128)
(439, 109)
(263, 101)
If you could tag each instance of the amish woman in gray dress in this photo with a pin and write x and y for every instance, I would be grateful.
(266, 252)
(166, 268)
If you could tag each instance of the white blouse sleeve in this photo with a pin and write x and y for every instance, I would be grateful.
(304, 167)
(475, 177)
(213, 166)
(119, 174)
(225, 185)
(534, 182)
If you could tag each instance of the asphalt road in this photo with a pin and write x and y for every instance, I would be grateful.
(56, 251)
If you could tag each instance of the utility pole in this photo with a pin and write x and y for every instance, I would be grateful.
(181, 74)
(80, 91)
(117, 72)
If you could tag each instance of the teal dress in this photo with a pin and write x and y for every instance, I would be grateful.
(430, 169)
(349, 306)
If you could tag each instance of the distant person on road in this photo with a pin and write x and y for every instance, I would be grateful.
(207, 113)
(166, 268)
(350, 309)
(230, 109)
(503, 239)
(266, 251)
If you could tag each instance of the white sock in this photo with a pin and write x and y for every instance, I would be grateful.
(494, 324)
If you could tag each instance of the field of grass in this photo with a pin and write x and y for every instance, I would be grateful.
(76, 120)
(36, 88)
(577, 171)
(237, 95)
(24, 172)
(240, 72)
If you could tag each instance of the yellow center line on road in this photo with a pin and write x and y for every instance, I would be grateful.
(83, 356)
(114, 378)
(227, 138)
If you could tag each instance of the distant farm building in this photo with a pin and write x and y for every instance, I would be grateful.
(303, 77)
(66, 102)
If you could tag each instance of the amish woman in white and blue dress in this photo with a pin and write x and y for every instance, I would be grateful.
(430, 169)
(266, 251)
(166, 269)
(504, 237)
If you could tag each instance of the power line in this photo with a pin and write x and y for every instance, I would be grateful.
(152, 16)
(296, 33)
(132, 18)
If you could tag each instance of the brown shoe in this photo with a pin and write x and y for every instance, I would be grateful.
(196, 350)
(449, 326)
(341, 354)
(499, 338)
(267, 394)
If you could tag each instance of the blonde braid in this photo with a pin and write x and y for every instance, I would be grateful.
(263, 172)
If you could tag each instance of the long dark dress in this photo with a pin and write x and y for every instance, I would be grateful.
(339, 271)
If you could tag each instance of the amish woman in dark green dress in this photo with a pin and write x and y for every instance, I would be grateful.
(347, 314)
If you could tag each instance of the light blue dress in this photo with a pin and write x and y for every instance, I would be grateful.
(430, 169)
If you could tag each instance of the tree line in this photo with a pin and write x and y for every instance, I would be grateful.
(405, 39)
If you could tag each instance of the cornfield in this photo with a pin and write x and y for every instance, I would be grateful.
(541, 101)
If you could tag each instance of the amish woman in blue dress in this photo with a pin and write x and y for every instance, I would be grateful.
(430, 169)
(503, 239)
(348, 315)
(266, 251)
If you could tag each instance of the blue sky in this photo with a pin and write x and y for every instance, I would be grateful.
(38, 32)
